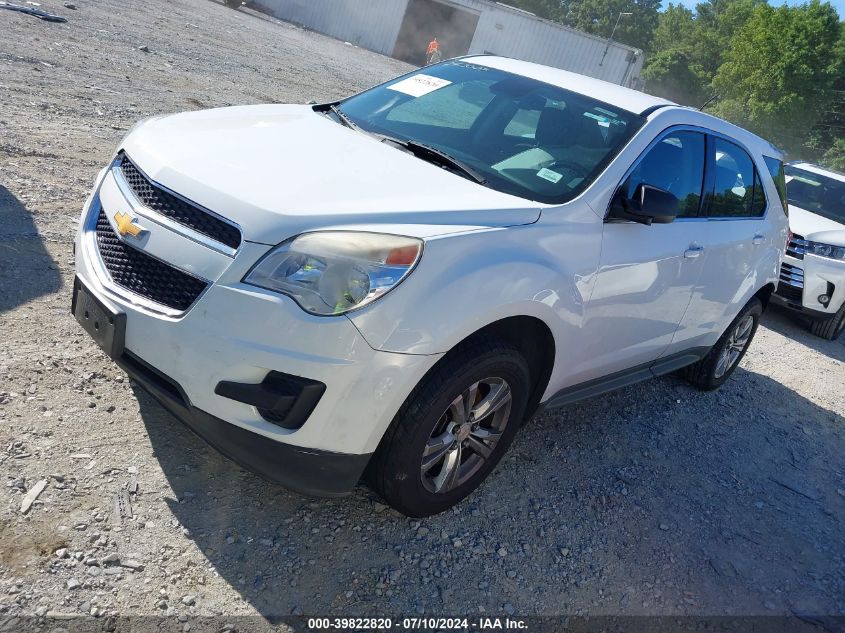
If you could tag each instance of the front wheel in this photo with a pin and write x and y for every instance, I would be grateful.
(453, 429)
(829, 329)
(714, 369)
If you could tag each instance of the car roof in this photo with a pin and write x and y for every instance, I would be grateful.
(817, 169)
(613, 94)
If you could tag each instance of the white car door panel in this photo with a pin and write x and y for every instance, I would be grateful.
(636, 305)
(647, 274)
(735, 237)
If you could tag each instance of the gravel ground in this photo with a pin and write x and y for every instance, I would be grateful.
(655, 500)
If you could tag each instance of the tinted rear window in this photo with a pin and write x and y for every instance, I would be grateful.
(776, 171)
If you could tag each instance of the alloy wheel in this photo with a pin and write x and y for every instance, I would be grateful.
(466, 435)
(735, 345)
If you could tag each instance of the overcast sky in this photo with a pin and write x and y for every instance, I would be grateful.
(838, 4)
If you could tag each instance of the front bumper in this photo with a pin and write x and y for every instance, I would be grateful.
(804, 279)
(236, 333)
(307, 471)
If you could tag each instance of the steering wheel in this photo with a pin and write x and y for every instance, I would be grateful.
(522, 147)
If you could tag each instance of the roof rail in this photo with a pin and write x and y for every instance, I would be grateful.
(649, 110)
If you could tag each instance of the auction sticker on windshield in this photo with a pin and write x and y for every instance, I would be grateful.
(419, 85)
(548, 174)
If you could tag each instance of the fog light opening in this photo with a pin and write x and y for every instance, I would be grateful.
(824, 300)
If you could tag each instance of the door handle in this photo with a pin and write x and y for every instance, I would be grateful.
(693, 251)
(758, 239)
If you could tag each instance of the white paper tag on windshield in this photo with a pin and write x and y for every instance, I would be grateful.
(419, 85)
(548, 174)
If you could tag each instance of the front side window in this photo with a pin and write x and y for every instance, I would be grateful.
(816, 193)
(675, 164)
(737, 190)
(523, 136)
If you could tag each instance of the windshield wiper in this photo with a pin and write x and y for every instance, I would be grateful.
(437, 156)
(342, 117)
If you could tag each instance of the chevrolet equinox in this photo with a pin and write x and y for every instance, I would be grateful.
(385, 287)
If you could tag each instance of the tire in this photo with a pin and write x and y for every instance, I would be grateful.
(829, 329)
(432, 420)
(709, 373)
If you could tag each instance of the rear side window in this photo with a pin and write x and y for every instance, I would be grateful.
(675, 164)
(778, 174)
(737, 190)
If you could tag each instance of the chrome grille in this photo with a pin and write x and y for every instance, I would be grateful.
(791, 284)
(177, 209)
(796, 247)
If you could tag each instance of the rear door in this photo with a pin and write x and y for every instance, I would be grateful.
(737, 236)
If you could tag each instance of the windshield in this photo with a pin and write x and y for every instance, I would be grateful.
(524, 137)
(816, 193)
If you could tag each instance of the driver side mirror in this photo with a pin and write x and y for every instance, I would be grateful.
(648, 205)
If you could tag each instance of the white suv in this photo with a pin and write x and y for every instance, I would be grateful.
(392, 283)
(812, 277)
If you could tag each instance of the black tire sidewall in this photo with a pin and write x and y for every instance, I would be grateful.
(406, 490)
(830, 329)
(755, 308)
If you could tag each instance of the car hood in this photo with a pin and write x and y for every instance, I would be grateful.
(805, 223)
(279, 170)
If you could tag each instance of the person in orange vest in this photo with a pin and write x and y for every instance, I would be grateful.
(433, 46)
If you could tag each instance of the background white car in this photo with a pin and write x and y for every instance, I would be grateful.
(812, 279)
(396, 281)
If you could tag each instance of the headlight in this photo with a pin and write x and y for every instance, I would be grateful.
(333, 272)
(826, 250)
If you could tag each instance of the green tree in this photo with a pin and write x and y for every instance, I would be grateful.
(599, 17)
(827, 138)
(676, 28)
(717, 22)
(689, 47)
(674, 70)
(548, 9)
(778, 71)
(673, 74)
(834, 157)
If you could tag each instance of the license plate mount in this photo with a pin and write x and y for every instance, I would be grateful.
(106, 326)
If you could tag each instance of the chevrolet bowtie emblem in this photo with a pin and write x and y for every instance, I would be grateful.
(126, 225)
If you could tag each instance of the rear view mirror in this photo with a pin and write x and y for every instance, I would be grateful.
(647, 205)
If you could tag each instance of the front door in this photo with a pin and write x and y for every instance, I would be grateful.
(647, 273)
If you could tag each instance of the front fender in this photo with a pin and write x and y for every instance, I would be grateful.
(468, 281)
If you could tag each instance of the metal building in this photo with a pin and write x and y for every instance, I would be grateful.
(402, 28)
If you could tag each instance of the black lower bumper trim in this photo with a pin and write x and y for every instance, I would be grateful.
(280, 398)
(304, 470)
(809, 312)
